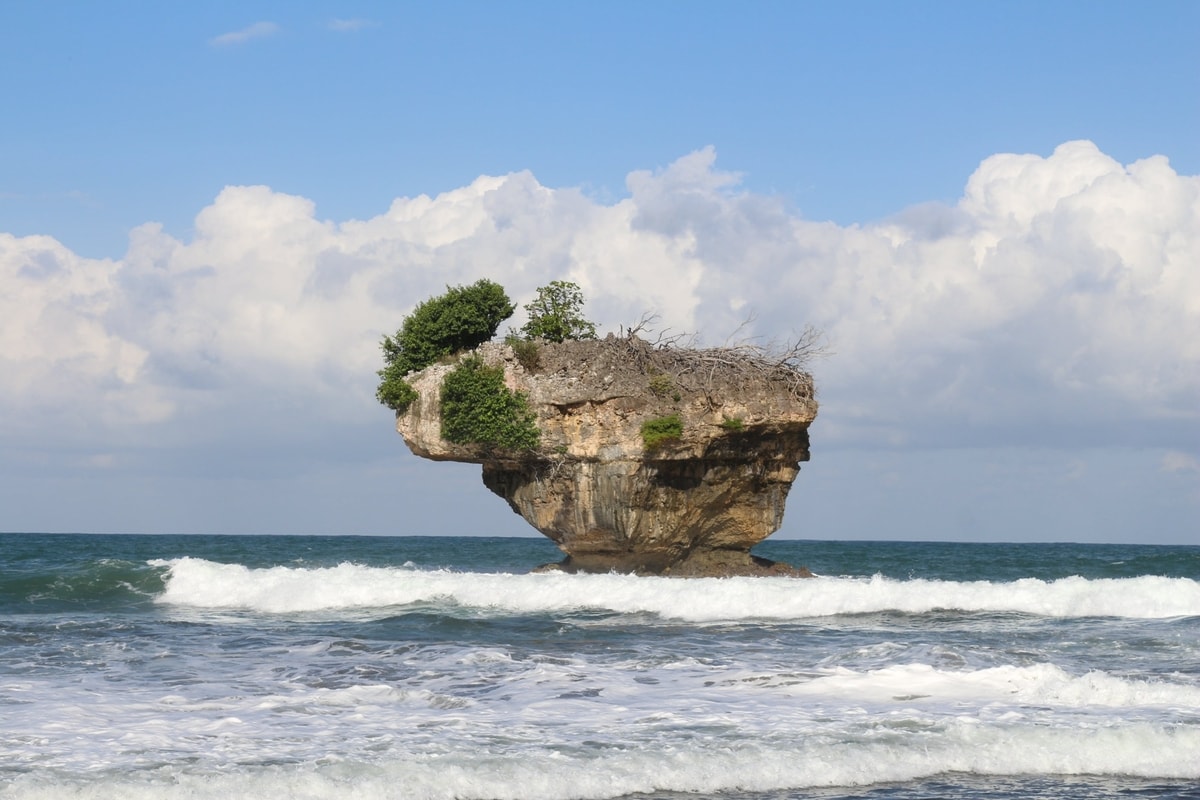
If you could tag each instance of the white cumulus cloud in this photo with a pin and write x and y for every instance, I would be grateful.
(61, 361)
(1059, 297)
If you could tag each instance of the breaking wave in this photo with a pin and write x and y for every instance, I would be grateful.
(1133, 750)
(199, 583)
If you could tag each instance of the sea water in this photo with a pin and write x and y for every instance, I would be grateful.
(426, 667)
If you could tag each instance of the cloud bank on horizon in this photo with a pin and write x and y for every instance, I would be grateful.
(1056, 304)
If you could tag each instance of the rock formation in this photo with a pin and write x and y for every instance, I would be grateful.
(689, 506)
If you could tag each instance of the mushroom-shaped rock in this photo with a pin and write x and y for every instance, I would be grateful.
(653, 460)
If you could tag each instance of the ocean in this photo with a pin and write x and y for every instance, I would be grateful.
(434, 667)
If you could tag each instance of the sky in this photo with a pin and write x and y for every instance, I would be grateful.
(210, 213)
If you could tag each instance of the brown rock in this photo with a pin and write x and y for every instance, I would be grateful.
(692, 506)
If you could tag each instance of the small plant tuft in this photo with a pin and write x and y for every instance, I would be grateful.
(733, 424)
(527, 351)
(662, 385)
(661, 430)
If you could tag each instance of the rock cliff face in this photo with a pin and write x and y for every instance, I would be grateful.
(694, 505)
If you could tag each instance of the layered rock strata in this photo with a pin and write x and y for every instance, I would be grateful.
(690, 506)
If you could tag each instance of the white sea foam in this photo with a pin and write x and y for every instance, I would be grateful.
(1132, 750)
(438, 696)
(205, 584)
(319, 715)
(374, 682)
(1036, 685)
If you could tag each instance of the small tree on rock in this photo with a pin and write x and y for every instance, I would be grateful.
(556, 314)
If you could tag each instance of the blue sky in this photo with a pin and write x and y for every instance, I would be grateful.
(210, 212)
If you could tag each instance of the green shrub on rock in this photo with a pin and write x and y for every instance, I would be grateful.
(660, 430)
(477, 408)
(395, 392)
(733, 424)
(461, 319)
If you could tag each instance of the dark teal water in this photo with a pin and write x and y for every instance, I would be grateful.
(428, 667)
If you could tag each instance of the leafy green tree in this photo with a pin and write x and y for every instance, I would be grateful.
(478, 408)
(461, 319)
(556, 314)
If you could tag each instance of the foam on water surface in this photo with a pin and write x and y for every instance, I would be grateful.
(263, 702)
(320, 668)
(1037, 685)
(757, 767)
(205, 584)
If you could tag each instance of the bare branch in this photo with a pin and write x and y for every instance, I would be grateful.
(647, 320)
(739, 364)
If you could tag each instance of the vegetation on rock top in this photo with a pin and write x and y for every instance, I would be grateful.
(477, 408)
(461, 319)
(556, 314)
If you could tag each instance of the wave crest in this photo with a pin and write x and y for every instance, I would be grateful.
(199, 583)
